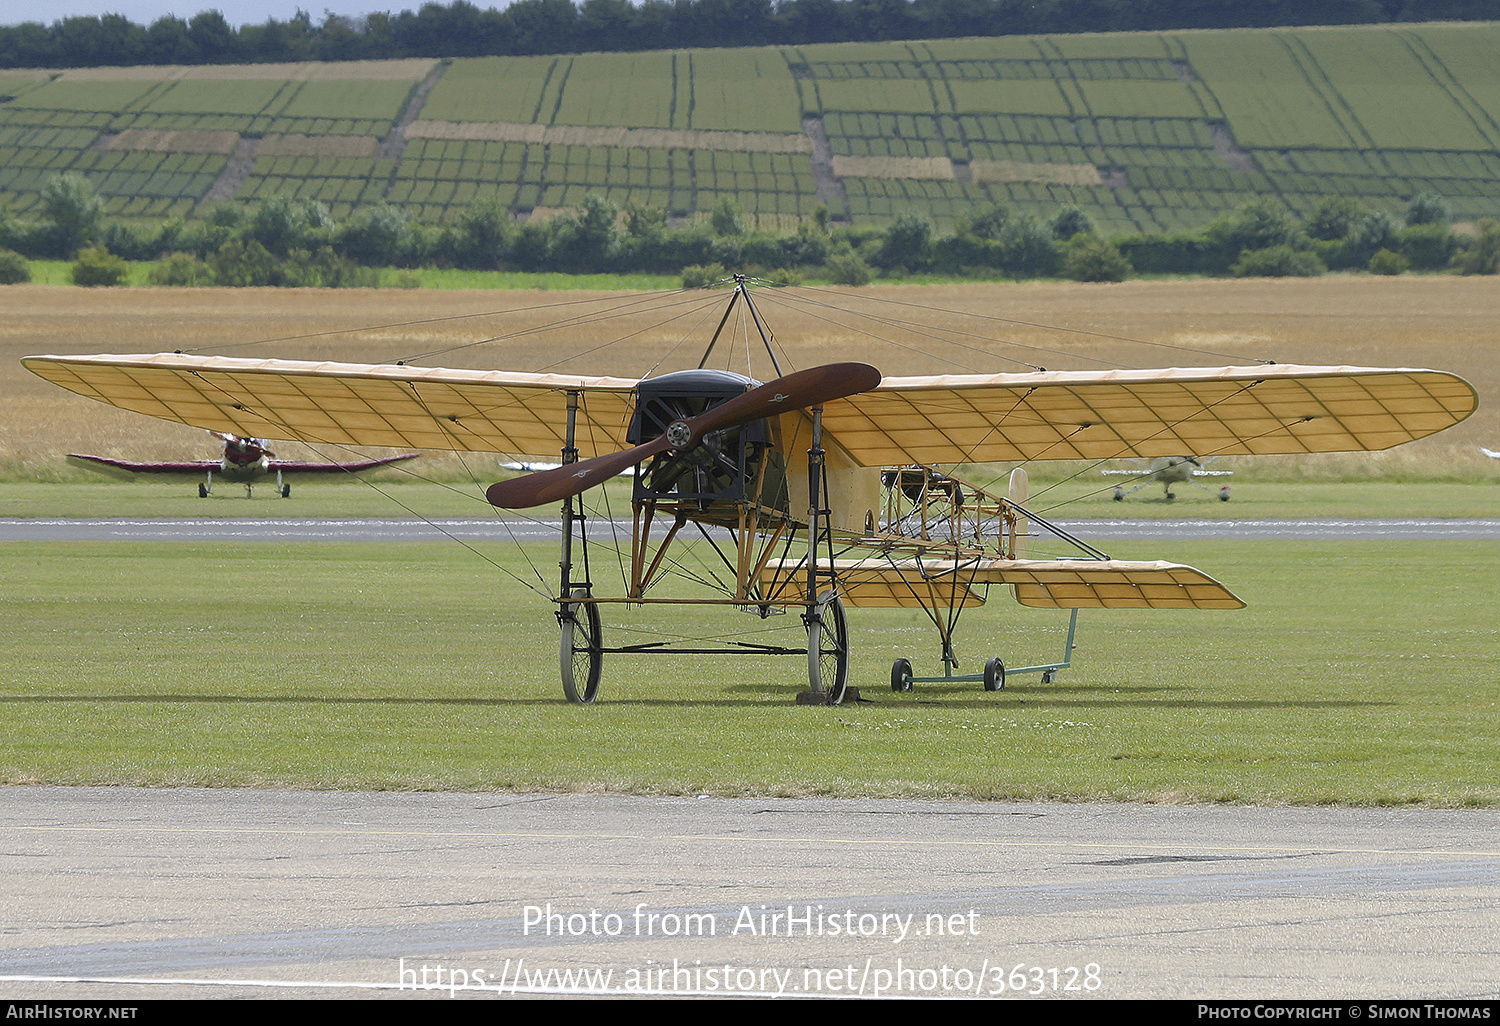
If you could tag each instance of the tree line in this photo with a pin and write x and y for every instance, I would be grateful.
(282, 241)
(462, 29)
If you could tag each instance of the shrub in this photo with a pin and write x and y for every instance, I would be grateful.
(727, 218)
(323, 268)
(1182, 253)
(14, 270)
(179, 269)
(127, 241)
(282, 224)
(1428, 208)
(98, 266)
(847, 268)
(243, 264)
(700, 276)
(1071, 221)
(905, 245)
(1483, 254)
(1386, 262)
(1028, 249)
(1379, 230)
(587, 241)
(1339, 255)
(379, 236)
(72, 211)
(1090, 258)
(728, 250)
(1278, 262)
(1428, 247)
(1333, 219)
(988, 223)
(1259, 224)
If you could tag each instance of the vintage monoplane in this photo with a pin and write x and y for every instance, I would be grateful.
(1168, 471)
(823, 487)
(245, 461)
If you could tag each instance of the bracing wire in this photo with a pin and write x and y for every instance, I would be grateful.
(690, 309)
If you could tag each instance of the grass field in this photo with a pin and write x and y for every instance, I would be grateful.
(1363, 674)
(1360, 673)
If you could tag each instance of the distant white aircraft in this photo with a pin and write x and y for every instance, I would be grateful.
(1491, 453)
(1167, 471)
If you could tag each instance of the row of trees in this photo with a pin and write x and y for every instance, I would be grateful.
(461, 29)
(283, 241)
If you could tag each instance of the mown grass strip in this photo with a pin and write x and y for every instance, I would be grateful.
(1360, 674)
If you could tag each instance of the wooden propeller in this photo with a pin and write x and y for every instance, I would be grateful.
(797, 391)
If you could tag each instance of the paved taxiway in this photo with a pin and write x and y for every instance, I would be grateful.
(134, 893)
(406, 529)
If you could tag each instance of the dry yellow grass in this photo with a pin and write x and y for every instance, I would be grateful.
(644, 138)
(184, 141)
(929, 168)
(317, 146)
(408, 70)
(941, 169)
(1047, 174)
(1448, 323)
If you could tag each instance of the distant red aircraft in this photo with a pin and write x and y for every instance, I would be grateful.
(245, 460)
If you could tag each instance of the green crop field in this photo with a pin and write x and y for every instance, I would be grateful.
(1142, 131)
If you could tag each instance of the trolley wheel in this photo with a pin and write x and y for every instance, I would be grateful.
(828, 648)
(994, 675)
(582, 649)
(901, 675)
(286, 491)
(202, 491)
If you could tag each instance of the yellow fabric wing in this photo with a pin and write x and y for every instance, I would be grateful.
(1228, 411)
(933, 420)
(1053, 583)
(356, 404)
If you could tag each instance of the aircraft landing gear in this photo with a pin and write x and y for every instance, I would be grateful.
(995, 670)
(994, 675)
(828, 649)
(582, 649)
(901, 675)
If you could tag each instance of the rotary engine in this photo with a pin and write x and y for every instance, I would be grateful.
(724, 467)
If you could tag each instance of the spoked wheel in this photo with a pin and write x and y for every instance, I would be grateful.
(901, 675)
(828, 648)
(582, 649)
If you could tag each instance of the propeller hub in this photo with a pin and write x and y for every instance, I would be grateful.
(679, 434)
